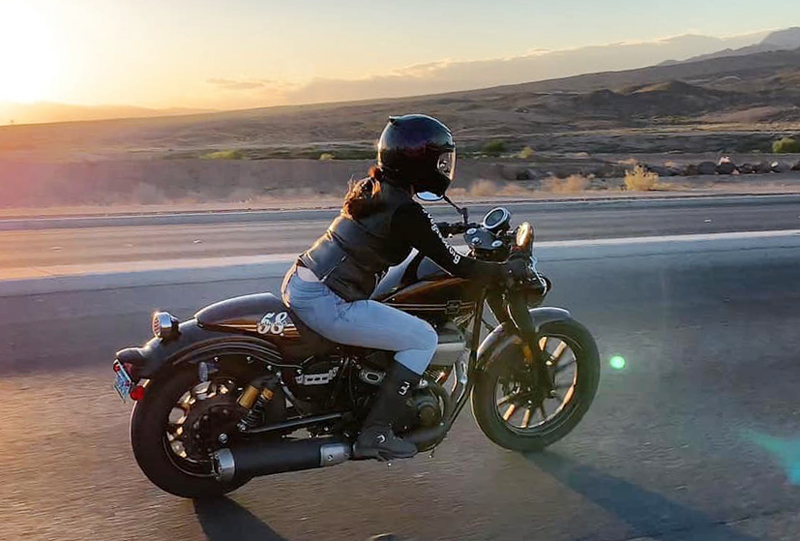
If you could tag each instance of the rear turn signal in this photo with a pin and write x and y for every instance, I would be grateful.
(137, 393)
(164, 325)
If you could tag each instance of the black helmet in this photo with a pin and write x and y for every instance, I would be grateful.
(418, 151)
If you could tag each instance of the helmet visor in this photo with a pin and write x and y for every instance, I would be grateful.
(447, 164)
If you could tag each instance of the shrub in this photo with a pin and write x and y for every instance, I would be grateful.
(326, 156)
(482, 188)
(571, 184)
(224, 155)
(640, 179)
(494, 148)
(526, 153)
(787, 145)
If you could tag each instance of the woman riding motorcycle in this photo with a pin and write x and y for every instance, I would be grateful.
(329, 286)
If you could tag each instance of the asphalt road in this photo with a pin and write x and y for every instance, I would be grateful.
(696, 439)
(32, 243)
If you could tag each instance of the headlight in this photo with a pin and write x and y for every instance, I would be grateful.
(524, 235)
(165, 325)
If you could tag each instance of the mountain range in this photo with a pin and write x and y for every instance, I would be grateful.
(776, 41)
(44, 112)
(440, 77)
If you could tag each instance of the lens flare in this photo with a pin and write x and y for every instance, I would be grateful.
(617, 362)
(783, 450)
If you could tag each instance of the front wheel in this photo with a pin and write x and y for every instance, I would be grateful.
(521, 416)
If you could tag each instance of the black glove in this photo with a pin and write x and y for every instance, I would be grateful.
(444, 229)
(518, 268)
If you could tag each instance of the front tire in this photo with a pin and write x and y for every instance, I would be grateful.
(148, 439)
(501, 427)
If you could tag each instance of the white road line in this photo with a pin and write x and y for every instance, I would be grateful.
(285, 259)
(740, 235)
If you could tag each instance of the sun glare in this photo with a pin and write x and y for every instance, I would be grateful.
(28, 67)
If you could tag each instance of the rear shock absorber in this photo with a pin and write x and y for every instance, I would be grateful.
(255, 398)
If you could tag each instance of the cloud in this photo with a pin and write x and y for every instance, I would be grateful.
(233, 84)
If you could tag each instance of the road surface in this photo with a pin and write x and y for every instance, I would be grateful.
(42, 243)
(696, 438)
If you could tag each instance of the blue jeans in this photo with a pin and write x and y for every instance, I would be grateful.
(366, 323)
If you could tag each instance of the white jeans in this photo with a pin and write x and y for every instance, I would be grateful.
(366, 323)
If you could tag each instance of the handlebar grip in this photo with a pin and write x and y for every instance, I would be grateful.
(457, 228)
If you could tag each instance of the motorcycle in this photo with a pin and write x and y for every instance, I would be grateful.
(245, 389)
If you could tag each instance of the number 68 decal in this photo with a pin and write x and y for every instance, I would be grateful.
(273, 323)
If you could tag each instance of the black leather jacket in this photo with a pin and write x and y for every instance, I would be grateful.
(353, 255)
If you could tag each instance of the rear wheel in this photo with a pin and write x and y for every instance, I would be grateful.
(521, 416)
(177, 424)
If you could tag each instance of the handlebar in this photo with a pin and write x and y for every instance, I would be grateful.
(457, 228)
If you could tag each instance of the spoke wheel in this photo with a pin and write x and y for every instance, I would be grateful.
(518, 413)
(524, 406)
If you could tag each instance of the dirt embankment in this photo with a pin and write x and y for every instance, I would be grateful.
(196, 181)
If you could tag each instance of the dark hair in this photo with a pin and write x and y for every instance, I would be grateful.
(362, 195)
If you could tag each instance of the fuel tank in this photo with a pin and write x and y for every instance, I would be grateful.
(422, 288)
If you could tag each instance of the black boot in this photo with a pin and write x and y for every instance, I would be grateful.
(377, 439)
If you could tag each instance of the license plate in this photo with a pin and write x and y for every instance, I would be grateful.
(122, 381)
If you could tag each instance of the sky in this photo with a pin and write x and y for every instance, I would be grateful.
(248, 53)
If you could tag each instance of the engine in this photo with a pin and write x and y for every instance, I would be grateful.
(313, 382)
(316, 380)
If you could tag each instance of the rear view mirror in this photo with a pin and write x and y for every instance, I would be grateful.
(429, 197)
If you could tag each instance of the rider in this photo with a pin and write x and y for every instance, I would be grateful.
(329, 286)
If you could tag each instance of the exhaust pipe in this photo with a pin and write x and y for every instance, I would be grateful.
(266, 458)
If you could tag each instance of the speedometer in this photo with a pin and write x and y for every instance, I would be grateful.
(497, 219)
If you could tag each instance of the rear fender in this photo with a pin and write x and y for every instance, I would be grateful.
(505, 335)
(194, 344)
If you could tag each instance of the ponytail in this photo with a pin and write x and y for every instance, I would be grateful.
(362, 195)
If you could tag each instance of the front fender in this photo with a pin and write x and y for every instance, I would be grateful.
(193, 344)
(502, 335)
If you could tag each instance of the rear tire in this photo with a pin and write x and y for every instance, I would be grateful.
(485, 405)
(148, 421)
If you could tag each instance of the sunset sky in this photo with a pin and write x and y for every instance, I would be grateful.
(247, 53)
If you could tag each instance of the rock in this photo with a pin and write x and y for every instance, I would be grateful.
(796, 166)
(507, 172)
(658, 169)
(676, 170)
(779, 167)
(608, 170)
(691, 170)
(763, 167)
(706, 168)
(525, 174)
(747, 169)
(725, 166)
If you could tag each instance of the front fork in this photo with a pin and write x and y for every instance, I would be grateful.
(518, 314)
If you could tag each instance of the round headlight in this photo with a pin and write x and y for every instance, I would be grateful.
(524, 235)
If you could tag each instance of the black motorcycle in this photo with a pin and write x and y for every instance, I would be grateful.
(245, 389)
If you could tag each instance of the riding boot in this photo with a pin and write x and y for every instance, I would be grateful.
(377, 439)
